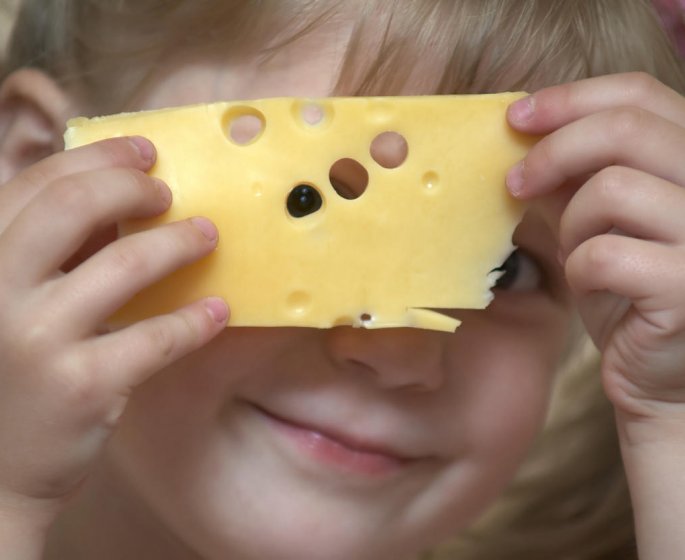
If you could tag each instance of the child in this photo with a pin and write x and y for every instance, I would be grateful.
(176, 438)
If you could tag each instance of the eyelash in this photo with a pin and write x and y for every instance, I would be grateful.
(514, 267)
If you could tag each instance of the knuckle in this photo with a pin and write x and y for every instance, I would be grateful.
(139, 181)
(35, 175)
(599, 252)
(191, 326)
(178, 333)
(38, 337)
(129, 259)
(75, 379)
(71, 196)
(162, 338)
(626, 122)
(641, 86)
(118, 151)
(609, 184)
(668, 324)
(31, 346)
(592, 255)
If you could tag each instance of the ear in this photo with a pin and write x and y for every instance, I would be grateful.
(33, 113)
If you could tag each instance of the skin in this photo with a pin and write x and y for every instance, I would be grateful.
(147, 440)
(179, 473)
(628, 287)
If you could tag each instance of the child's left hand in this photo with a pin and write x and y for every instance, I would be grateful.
(622, 234)
(613, 160)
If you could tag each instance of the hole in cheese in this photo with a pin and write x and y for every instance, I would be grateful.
(298, 302)
(244, 125)
(389, 149)
(343, 321)
(431, 180)
(303, 200)
(312, 114)
(349, 178)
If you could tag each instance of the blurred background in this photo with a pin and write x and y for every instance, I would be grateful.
(7, 8)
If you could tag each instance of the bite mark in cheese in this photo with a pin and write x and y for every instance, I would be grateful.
(424, 235)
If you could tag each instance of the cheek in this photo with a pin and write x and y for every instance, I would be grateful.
(199, 385)
(506, 386)
(177, 399)
(509, 408)
(179, 409)
(495, 402)
(172, 414)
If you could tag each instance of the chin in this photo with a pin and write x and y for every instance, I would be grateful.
(309, 541)
(271, 520)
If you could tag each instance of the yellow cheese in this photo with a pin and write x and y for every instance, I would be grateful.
(424, 235)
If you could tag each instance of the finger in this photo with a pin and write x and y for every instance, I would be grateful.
(58, 221)
(133, 354)
(645, 272)
(551, 108)
(629, 200)
(134, 152)
(625, 136)
(97, 288)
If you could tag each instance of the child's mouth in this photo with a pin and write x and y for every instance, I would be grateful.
(339, 451)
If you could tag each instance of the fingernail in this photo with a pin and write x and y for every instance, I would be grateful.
(521, 111)
(145, 148)
(217, 309)
(515, 179)
(163, 190)
(207, 228)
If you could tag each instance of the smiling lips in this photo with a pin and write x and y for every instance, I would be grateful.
(337, 450)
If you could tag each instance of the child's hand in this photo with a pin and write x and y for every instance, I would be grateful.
(614, 157)
(622, 235)
(64, 380)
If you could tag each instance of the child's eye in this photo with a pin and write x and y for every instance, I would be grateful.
(520, 273)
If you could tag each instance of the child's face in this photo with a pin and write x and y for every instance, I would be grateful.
(237, 448)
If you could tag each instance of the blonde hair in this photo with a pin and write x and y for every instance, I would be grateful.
(570, 501)
(106, 49)
(7, 9)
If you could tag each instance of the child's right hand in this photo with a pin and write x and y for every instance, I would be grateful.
(65, 380)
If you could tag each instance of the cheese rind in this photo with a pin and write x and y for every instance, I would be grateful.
(424, 235)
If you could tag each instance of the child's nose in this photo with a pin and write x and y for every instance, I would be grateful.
(399, 358)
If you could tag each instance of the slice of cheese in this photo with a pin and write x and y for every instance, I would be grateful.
(422, 238)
